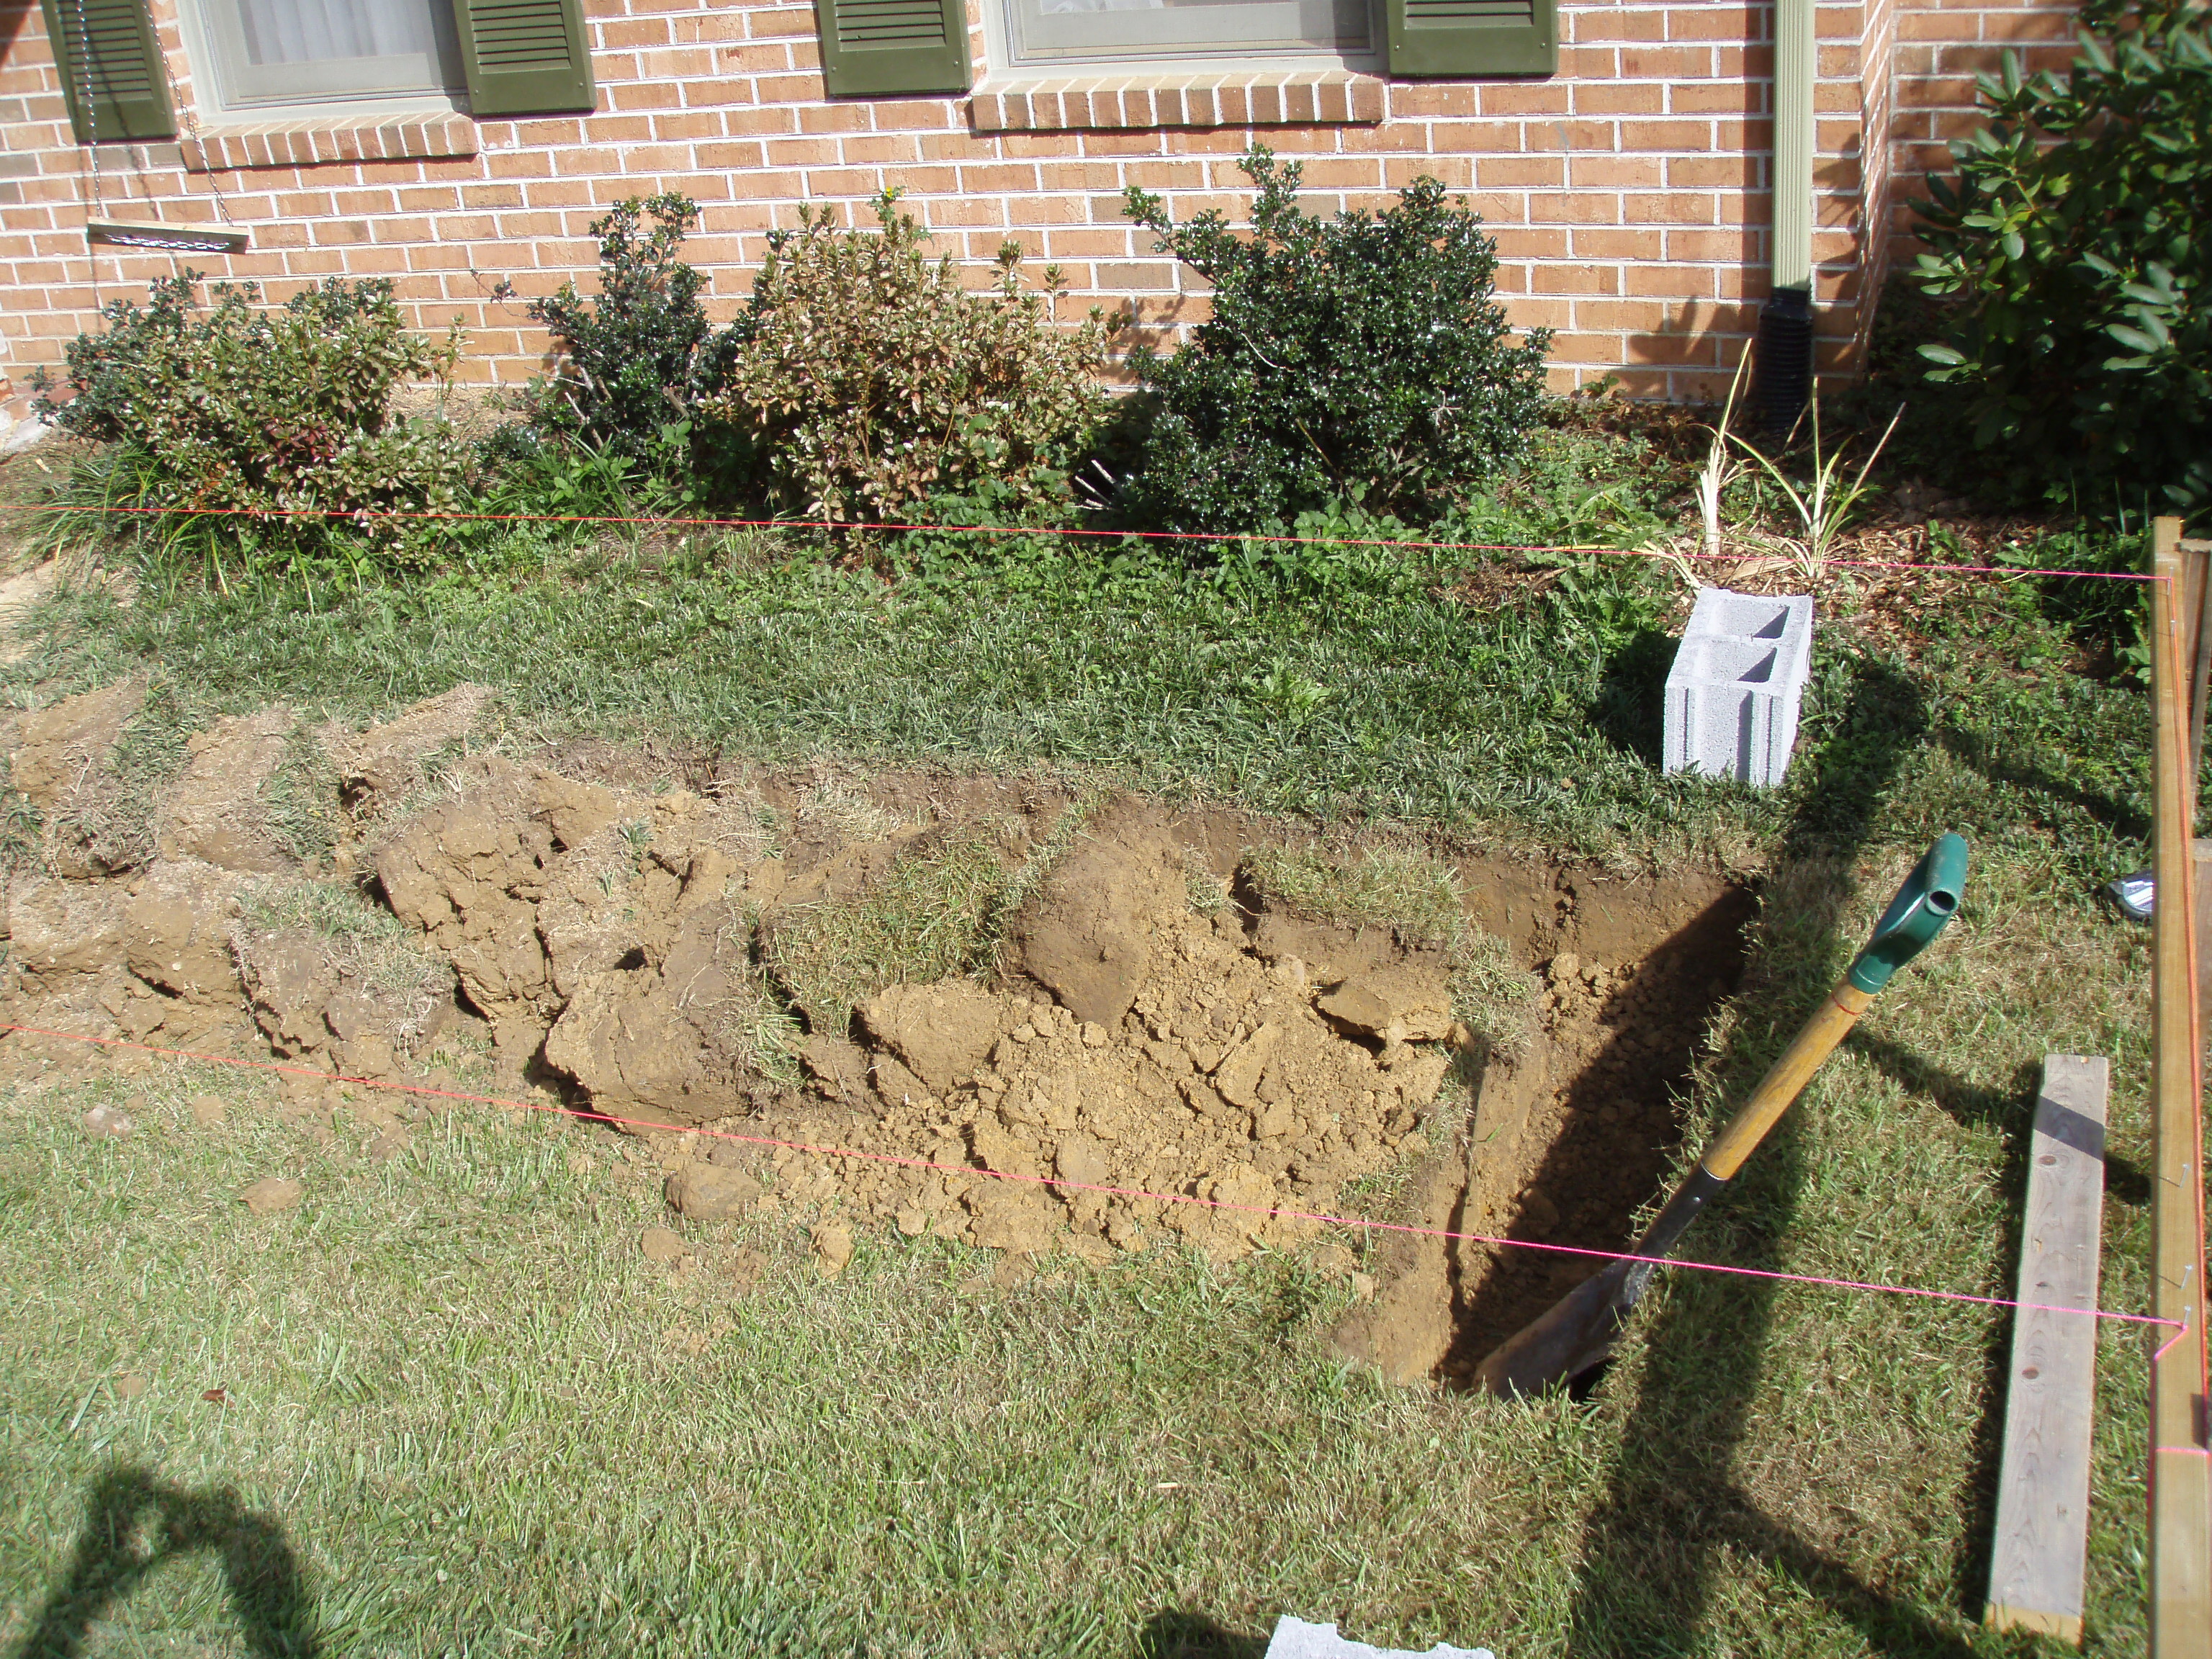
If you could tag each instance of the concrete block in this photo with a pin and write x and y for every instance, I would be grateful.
(1739, 677)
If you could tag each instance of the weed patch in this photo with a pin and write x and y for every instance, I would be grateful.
(933, 916)
(300, 800)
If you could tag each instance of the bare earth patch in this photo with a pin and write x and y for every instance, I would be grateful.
(1043, 1024)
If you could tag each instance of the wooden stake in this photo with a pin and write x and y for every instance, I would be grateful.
(2180, 1459)
(2197, 651)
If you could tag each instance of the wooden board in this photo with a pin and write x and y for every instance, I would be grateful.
(2037, 1568)
(2180, 1369)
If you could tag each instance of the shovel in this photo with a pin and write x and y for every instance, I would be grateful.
(1578, 1332)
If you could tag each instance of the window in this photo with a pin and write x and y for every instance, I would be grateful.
(299, 51)
(510, 56)
(1076, 31)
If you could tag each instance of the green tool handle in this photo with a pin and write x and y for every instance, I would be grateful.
(1921, 909)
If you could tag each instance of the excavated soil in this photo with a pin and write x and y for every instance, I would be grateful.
(1128, 1012)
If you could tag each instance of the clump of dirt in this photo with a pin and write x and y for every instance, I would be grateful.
(1046, 1022)
(335, 982)
(60, 767)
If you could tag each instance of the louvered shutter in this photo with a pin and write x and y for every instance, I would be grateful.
(882, 46)
(106, 48)
(525, 57)
(1472, 37)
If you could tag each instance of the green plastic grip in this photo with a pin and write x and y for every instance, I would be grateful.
(1923, 907)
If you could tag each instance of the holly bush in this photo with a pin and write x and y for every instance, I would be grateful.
(635, 358)
(1361, 358)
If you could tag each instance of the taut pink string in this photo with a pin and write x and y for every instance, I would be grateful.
(971, 1172)
(1578, 549)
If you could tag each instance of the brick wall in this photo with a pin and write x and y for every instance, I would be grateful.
(1627, 193)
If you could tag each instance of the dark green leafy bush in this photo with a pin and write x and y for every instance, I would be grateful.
(866, 378)
(231, 416)
(1361, 359)
(636, 357)
(2077, 245)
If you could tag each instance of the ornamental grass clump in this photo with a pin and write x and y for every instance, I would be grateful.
(1361, 358)
(256, 435)
(863, 376)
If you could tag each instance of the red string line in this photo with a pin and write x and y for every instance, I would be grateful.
(971, 1172)
(361, 515)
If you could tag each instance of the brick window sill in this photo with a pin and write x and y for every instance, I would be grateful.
(1261, 99)
(310, 143)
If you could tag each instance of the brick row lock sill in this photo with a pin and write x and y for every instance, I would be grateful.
(1284, 98)
(1037, 104)
(306, 142)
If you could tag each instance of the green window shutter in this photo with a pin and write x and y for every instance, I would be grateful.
(525, 57)
(1472, 37)
(883, 47)
(110, 45)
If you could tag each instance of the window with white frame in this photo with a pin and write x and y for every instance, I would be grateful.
(1079, 32)
(265, 52)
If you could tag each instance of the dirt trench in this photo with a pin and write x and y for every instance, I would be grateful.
(1047, 1021)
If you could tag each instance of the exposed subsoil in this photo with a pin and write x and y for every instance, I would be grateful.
(624, 932)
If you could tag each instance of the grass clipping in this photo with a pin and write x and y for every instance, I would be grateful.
(1418, 898)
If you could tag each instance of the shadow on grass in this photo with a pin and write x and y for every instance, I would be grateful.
(1673, 1505)
(1179, 1635)
(1630, 711)
(135, 1524)
(2124, 820)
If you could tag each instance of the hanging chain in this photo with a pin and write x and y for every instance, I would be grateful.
(91, 108)
(92, 145)
(215, 176)
(193, 127)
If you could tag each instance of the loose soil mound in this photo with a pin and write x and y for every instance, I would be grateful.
(1045, 1020)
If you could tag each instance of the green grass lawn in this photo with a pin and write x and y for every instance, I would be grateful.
(465, 1415)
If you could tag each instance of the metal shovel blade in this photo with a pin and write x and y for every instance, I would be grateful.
(1576, 1333)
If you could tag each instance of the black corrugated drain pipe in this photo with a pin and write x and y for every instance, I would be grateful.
(1781, 361)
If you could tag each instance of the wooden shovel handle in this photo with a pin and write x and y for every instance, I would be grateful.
(1829, 1023)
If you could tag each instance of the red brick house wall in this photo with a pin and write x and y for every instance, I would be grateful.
(1627, 193)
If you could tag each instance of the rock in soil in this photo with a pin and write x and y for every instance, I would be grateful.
(271, 1195)
(208, 1111)
(660, 1244)
(108, 1123)
(833, 1248)
(706, 1192)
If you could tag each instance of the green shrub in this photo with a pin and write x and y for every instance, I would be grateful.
(230, 417)
(2076, 244)
(1359, 359)
(865, 377)
(636, 357)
